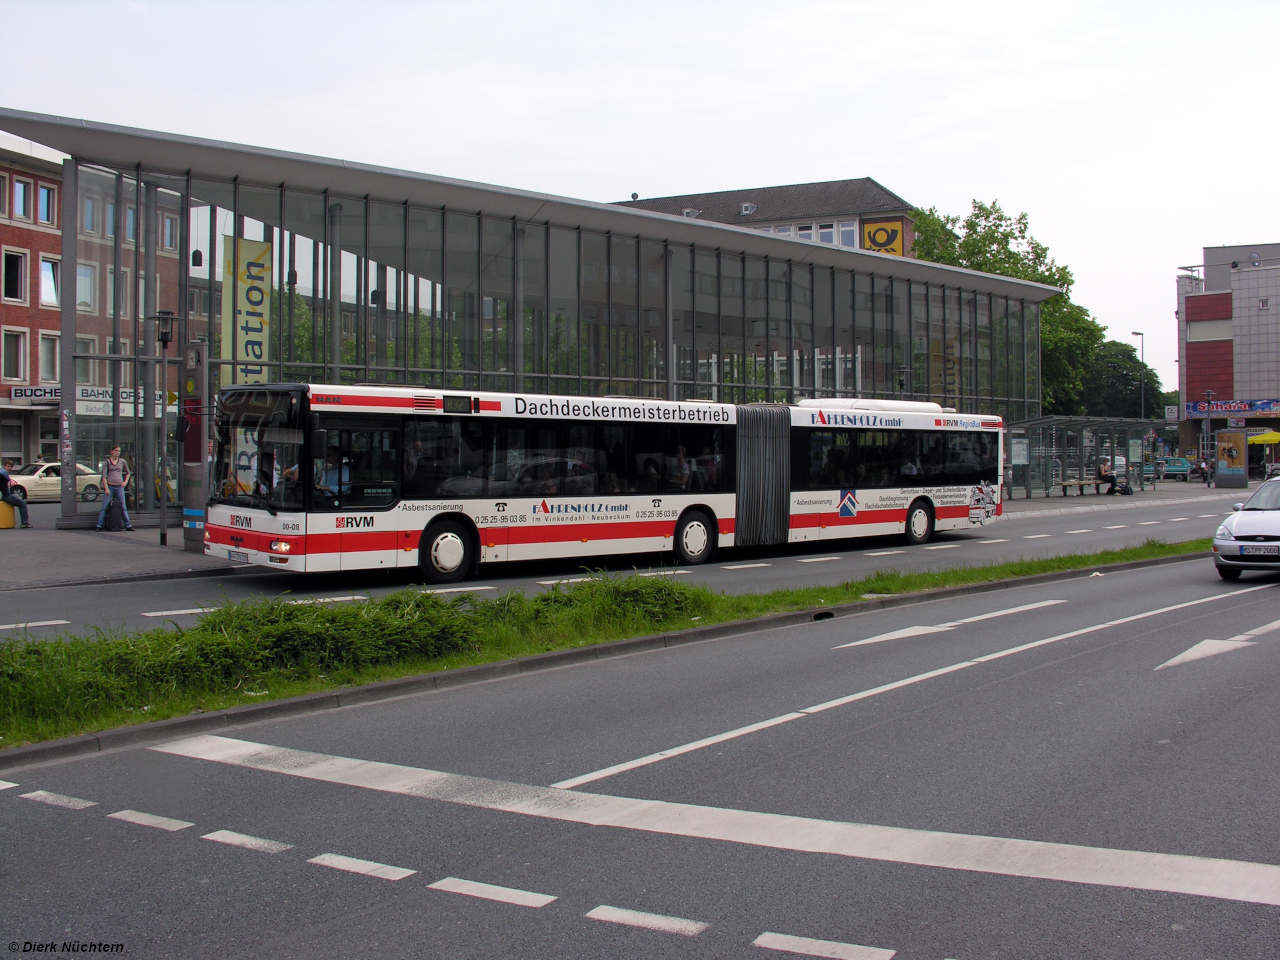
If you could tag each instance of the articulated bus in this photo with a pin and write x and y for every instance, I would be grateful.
(310, 477)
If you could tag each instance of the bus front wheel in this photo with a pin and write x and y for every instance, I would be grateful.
(919, 523)
(695, 538)
(446, 553)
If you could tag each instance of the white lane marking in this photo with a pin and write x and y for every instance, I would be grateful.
(1079, 531)
(1205, 516)
(309, 600)
(469, 589)
(367, 867)
(664, 573)
(234, 839)
(58, 800)
(674, 751)
(943, 627)
(992, 541)
(1117, 526)
(1038, 536)
(815, 559)
(1259, 631)
(943, 546)
(552, 583)
(1206, 648)
(1177, 519)
(1149, 523)
(746, 566)
(649, 921)
(33, 623)
(883, 553)
(487, 891)
(7, 784)
(150, 820)
(808, 947)
(179, 613)
(1033, 859)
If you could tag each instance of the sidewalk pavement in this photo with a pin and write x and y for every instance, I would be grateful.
(45, 557)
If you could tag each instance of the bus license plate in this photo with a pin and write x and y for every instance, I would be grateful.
(237, 556)
(1269, 549)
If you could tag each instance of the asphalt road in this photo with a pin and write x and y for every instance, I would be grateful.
(134, 606)
(1005, 775)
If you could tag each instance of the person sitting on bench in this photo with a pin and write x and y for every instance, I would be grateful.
(1106, 474)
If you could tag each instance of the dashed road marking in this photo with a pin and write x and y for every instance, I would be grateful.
(943, 546)
(664, 573)
(815, 559)
(58, 800)
(746, 566)
(921, 631)
(466, 589)
(808, 947)
(1117, 526)
(649, 921)
(1205, 516)
(488, 891)
(991, 541)
(309, 600)
(1038, 536)
(367, 867)
(1177, 519)
(883, 553)
(1149, 523)
(150, 820)
(243, 840)
(552, 583)
(1079, 531)
(7, 784)
(179, 613)
(34, 623)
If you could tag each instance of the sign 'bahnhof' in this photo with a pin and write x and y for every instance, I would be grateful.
(286, 267)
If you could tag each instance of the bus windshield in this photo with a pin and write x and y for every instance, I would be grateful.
(259, 449)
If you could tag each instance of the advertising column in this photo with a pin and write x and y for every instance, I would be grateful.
(1231, 459)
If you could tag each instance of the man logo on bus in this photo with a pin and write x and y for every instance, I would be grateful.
(849, 504)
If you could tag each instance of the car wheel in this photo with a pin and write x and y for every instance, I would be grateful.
(17, 491)
(1228, 573)
(446, 552)
(89, 493)
(695, 538)
(919, 523)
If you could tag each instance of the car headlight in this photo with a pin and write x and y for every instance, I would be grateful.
(1223, 533)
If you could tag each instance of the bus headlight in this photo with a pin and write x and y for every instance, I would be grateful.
(281, 546)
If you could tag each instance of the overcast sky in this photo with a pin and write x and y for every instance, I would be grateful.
(1133, 134)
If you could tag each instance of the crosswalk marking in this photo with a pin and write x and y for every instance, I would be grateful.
(58, 800)
(649, 921)
(243, 840)
(369, 868)
(150, 820)
(488, 891)
(808, 947)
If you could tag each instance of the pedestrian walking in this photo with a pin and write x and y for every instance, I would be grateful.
(11, 498)
(1204, 468)
(115, 475)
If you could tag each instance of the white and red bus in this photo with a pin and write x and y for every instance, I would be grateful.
(311, 477)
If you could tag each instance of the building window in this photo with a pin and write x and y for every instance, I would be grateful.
(14, 364)
(125, 292)
(804, 231)
(90, 215)
(84, 366)
(49, 276)
(22, 199)
(48, 359)
(827, 233)
(15, 276)
(47, 204)
(4, 195)
(109, 221)
(11, 440)
(171, 233)
(849, 233)
(784, 231)
(86, 287)
(130, 224)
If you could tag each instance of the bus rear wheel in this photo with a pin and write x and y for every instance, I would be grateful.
(919, 523)
(446, 552)
(695, 538)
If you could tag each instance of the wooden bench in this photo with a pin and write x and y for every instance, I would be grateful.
(1080, 485)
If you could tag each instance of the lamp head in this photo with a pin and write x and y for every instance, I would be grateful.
(164, 326)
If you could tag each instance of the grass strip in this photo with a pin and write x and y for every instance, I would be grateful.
(256, 650)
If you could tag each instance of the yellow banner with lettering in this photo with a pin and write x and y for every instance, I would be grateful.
(246, 333)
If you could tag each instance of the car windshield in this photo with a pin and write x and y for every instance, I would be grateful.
(1267, 497)
(259, 449)
(27, 470)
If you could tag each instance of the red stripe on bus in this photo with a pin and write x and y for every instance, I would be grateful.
(490, 404)
(565, 532)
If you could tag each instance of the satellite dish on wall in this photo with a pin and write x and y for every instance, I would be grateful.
(1255, 260)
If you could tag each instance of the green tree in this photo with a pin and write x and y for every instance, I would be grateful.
(1114, 383)
(990, 240)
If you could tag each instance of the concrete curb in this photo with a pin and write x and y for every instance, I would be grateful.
(1106, 507)
(536, 663)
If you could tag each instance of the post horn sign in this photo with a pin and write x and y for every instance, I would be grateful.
(883, 236)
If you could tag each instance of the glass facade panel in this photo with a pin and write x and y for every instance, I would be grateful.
(983, 345)
(845, 382)
(562, 338)
(682, 356)
(497, 289)
(732, 340)
(824, 380)
(462, 301)
(919, 381)
(951, 371)
(706, 307)
(779, 331)
(802, 329)
(624, 314)
(968, 307)
(883, 378)
(653, 312)
(595, 310)
(425, 270)
(530, 340)
(386, 326)
(756, 291)
(863, 330)
(901, 306)
(999, 350)
(1032, 313)
(1017, 362)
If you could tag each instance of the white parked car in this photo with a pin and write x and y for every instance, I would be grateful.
(43, 481)
(1249, 539)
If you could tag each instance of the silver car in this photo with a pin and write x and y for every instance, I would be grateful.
(1249, 539)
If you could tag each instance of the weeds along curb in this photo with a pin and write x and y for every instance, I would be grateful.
(159, 730)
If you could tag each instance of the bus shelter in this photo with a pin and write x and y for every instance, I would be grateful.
(1047, 452)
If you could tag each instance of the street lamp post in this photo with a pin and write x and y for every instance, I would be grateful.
(1208, 413)
(1142, 374)
(164, 333)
